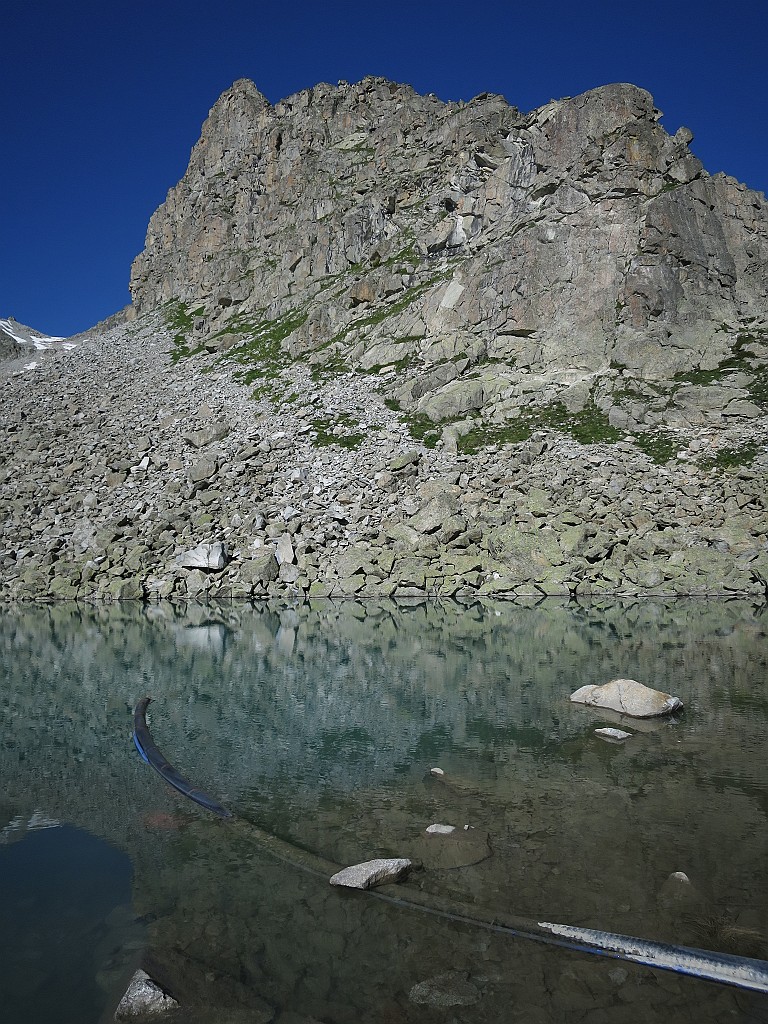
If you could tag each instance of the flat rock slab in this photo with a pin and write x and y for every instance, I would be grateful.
(617, 735)
(143, 999)
(628, 697)
(372, 873)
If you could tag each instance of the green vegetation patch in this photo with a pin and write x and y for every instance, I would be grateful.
(423, 429)
(732, 457)
(743, 358)
(337, 430)
(589, 426)
(180, 320)
(420, 427)
(333, 366)
(261, 357)
(659, 445)
(486, 434)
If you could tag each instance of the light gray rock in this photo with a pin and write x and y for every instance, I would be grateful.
(284, 550)
(208, 434)
(371, 873)
(143, 999)
(203, 470)
(617, 735)
(628, 697)
(205, 556)
(262, 567)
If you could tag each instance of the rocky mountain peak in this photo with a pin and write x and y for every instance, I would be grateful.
(376, 227)
(391, 346)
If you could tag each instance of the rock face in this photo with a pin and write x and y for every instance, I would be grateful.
(387, 346)
(628, 697)
(369, 223)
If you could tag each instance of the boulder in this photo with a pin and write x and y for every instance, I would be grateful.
(207, 435)
(628, 697)
(205, 556)
(372, 873)
(142, 999)
(263, 567)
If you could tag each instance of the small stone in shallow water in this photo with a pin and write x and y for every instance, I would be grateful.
(436, 771)
(372, 873)
(440, 830)
(613, 734)
(679, 876)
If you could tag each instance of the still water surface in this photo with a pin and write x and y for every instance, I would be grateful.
(319, 725)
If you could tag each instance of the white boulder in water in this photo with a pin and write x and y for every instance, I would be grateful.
(628, 697)
(372, 873)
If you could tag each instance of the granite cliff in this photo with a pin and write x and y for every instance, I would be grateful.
(382, 344)
(381, 228)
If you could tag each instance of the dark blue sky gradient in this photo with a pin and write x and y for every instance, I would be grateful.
(101, 102)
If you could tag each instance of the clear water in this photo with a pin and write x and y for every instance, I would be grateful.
(319, 725)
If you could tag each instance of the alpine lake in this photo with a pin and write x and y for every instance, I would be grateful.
(319, 726)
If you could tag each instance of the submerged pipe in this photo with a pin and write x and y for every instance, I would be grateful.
(146, 747)
(707, 965)
(723, 968)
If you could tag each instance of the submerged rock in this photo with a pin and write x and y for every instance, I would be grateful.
(143, 998)
(450, 989)
(372, 873)
(442, 847)
(618, 735)
(628, 697)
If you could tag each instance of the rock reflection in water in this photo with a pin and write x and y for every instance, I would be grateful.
(321, 723)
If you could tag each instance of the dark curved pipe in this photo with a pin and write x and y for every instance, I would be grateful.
(146, 747)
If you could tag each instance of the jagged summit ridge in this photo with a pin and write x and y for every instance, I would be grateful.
(468, 239)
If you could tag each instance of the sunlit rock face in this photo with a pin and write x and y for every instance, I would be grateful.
(393, 225)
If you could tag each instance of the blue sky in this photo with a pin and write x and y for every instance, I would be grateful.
(101, 102)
